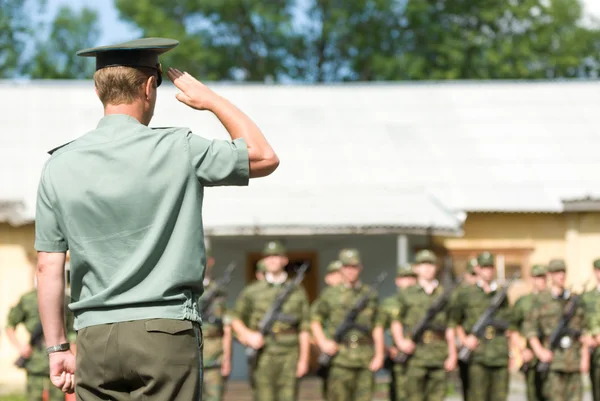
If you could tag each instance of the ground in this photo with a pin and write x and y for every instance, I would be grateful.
(310, 391)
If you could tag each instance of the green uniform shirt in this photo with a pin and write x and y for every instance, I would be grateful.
(389, 310)
(126, 200)
(469, 304)
(522, 309)
(591, 304)
(26, 312)
(212, 327)
(432, 351)
(255, 301)
(333, 305)
(543, 319)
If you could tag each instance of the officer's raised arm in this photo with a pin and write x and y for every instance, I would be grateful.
(262, 158)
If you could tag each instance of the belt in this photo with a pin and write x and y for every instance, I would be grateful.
(277, 331)
(354, 341)
(430, 336)
(492, 332)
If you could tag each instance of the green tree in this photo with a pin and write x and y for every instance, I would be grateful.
(70, 31)
(14, 33)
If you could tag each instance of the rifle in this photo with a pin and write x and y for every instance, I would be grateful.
(34, 340)
(432, 311)
(464, 354)
(265, 326)
(556, 335)
(348, 323)
(209, 296)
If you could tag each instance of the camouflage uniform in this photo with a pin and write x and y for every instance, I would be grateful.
(212, 334)
(488, 367)
(425, 373)
(389, 309)
(563, 381)
(463, 367)
(349, 376)
(38, 369)
(591, 303)
(274, 376)
(521, 311)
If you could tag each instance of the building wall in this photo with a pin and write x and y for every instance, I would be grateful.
(16, 278)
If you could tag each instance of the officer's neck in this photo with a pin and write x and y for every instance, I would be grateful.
(135, 110)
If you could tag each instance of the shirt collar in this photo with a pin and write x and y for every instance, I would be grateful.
(493, 285)
(116, 119)
(435, 285)
(356, 285)
(271, 280)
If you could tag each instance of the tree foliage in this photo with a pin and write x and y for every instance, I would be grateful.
(14, 33)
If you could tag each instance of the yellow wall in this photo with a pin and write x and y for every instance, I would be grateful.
(16, 278)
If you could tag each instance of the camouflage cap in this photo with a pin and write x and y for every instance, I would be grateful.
(349, 257)
(538, 271)
(425, 256)
(597, 264)
(557, 265)
(485, 259)
(334, 266)
(471, 265)
(260, 266)
(405, 271)
(274, 248)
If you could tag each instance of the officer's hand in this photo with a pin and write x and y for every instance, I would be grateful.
(329, 347)
(545, 355)
(450, 363)
(225, 367)
(376, 363)
(62, 370)
(193, 92)
(301, 368)
(471, 342)
(407, 346)
(527, 355)
(25, 351)
(255, 340)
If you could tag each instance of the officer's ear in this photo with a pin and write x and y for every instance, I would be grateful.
(150, 86)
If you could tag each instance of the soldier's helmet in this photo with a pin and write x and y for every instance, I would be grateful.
(425, 256)
(349, 257)
(334, 266)
(538, 271)
(405, 270)
(557, 265)
(485, 259)
(274, 248)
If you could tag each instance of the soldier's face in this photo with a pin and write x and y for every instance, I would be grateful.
(259, 275)
(558, 278)
(405, 282)
(539, 283)
(275, 263)
(350, 273)
(597, 274)
(333, 278)
(426, 271)
(487, 273)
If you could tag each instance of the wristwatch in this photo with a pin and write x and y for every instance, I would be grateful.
(58, 348)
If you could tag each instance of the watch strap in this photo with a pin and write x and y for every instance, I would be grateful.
(58, 348)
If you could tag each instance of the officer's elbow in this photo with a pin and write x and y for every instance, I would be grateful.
(263, 165)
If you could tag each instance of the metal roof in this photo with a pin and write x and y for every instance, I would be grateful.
(355, 155)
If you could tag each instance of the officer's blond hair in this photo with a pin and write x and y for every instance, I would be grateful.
(121, 85)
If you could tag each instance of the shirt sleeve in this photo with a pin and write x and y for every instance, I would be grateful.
(530, 323)
(320, 310)
(48, 234)
(218, 162)
(380, 315)
(242, 307)
(15, 316)
(305, 318)
(455, 313)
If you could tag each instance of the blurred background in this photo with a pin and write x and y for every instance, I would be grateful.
(455, 125)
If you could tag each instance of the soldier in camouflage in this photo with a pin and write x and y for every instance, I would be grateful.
(521, 311)
(591, 302)
(284, 356)
(469, 278)
(260, 270)
(361, 353)
(488, 367)
(216, 333)
(26, 312)
(563, 381)
(436, 353)
(405, 277)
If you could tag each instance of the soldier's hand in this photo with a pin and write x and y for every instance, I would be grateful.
(225, 367)
(526, 355)
(62, 370)
(376, 363)
(450, 363)
(329, 347)
(471, 342)
(25, 351)
(393, 352)
(255, 340)
(407, 346)
(545, 355)
(301, 368)
(193, 92)
(585, 365)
